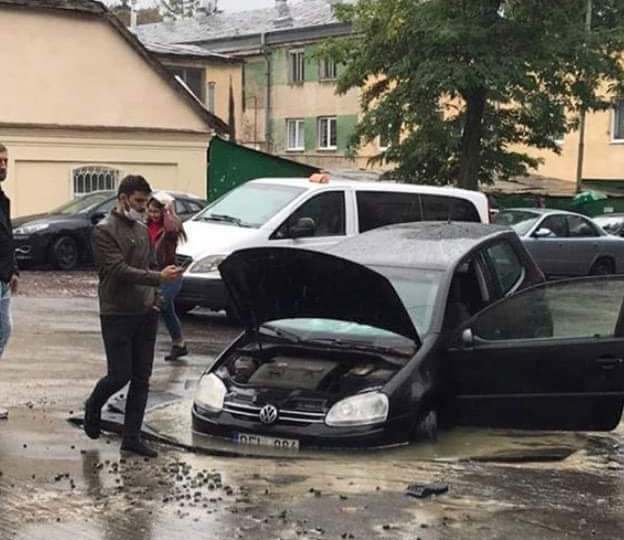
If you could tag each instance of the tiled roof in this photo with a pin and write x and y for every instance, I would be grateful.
(85, 6)
(304, 14)
(186, 51)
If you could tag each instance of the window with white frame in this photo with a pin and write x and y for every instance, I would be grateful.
(385, 139)
(618, 122)
(89, 178)
(327, 68)
(295, 130)
(210, 97)
(296, 66)
(327, 132)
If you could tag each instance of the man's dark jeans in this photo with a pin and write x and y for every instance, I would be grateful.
(129, 342)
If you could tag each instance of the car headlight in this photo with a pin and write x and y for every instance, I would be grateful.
(31, 229)
(210, 393)
(207, 265)
(360, 410)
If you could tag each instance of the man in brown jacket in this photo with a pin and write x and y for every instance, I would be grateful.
(128, 310)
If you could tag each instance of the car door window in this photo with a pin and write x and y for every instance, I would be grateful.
(468, 293)
(379, 208)
(443, 208)
(180, 207)
(194, 206)
(326, 209)
(506, 266)
(106, 207)
(557, 225)
(579, 227)
(583, 308)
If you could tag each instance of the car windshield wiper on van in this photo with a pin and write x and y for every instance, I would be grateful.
(225, 218)
(361, 346)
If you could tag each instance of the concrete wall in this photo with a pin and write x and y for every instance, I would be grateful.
(41, 163)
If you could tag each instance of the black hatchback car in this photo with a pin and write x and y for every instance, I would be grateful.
(405, 328)
(61, 237)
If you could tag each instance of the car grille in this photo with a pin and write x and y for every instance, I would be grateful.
(286, 416)
(183, 261)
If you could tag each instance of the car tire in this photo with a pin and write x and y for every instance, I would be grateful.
(602, 267)
(427, 428)
(182, 308)
(64, 253)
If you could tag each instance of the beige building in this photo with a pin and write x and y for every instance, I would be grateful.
(84, 103)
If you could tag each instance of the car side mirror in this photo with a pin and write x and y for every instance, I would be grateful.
(467, 338)
(305, 227)
(542, 232)
(97, 217)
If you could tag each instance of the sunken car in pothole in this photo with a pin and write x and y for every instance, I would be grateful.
(401, 330)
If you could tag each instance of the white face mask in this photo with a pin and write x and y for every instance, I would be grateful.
(132, 214)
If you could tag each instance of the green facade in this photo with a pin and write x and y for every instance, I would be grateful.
(345, 126)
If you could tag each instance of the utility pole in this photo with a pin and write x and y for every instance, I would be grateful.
(581, 146)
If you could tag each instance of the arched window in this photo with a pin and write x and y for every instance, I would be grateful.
(89, 178)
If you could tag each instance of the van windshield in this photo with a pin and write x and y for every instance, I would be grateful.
(250, 205)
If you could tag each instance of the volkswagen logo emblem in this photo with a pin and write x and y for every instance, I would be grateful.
(268, 414)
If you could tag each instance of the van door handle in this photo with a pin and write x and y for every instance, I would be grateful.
(609, 362)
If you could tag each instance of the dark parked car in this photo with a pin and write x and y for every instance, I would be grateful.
(61, 236)
(611, 223)
(565, 243)
(405, 328)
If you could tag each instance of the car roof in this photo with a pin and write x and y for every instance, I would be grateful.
(379, 186)
(542, 211)
(614, 214)
(435, 245)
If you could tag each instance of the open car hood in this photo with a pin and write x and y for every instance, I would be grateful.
(267, 284)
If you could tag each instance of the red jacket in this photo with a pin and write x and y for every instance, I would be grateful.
(164, 237)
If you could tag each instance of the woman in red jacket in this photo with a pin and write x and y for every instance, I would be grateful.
(166, 230)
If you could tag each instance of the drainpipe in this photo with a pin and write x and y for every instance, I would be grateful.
(266, 51)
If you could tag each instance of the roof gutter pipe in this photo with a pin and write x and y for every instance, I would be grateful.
(266, 51)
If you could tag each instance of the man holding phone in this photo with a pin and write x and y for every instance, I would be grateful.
(129, 313)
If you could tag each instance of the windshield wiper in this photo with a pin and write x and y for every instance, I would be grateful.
(361, 346)
(224, 218)
(279, 332)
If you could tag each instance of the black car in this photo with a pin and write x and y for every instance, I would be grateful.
(61, 236)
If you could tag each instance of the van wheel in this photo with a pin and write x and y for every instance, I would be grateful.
(602, 267)
(427, 428)
(183, 308)
(64, 253)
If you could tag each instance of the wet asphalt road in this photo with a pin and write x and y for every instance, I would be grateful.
(57, 484)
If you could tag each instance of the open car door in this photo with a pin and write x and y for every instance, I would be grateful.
(549, 357)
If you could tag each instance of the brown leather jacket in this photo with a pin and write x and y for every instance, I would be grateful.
(123, 255)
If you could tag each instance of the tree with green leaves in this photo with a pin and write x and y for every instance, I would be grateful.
(459, 86)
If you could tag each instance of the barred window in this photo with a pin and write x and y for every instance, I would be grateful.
(94, 178)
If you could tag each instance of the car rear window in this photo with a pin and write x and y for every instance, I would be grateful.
(381, 208)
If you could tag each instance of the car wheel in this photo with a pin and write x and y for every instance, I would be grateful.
(64, 253)
(427, 428)
(602, 267)
(183, 308)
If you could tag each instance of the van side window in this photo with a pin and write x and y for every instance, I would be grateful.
(379, 208)
(326, 209)
(441, 208)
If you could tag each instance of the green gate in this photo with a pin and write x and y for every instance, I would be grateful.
(230, 165)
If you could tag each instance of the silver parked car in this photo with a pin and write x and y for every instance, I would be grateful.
(564, 243)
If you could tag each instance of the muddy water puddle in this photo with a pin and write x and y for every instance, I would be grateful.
(172, 422)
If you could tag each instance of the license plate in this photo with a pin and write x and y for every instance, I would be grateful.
(260, 440)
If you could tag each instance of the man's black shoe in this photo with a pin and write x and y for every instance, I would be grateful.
(176, 352)
(136, 446)
(91, 422)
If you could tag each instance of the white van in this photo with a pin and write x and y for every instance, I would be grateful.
(298, 212)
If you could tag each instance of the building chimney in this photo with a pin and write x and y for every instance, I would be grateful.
(207, 7)
(133, 15)
(123, 12)
(283, 16)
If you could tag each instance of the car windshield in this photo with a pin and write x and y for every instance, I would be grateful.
(250, 205)
(82, 204)
(519, 220)
(417, 288)
(344, 332)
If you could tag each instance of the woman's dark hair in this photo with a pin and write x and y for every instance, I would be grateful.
(181, 232)
(132, 183)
